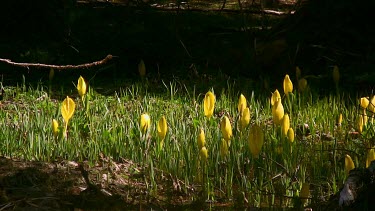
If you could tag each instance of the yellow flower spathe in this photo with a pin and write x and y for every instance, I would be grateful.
(287, 85)
(226, 128)
(256, 139)
(371, 105)
(285, 125)
(67, 109)
(81, 86)
(277, 112)
(360, 123)
(349, 164)
(142, 69)
(162, 128)
(290, 135)
(336, 75)
(364, 102)
(245, 118)
(242, 104)
(145, 123)
(370, 157)
(55, 128)
(203, 153)
(209, 104)
(201, 139)
(275, 96)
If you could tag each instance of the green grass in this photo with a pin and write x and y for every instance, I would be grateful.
(109, 126)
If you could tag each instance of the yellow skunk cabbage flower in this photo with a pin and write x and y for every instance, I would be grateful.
(201, 139)
(226, 128)
(81, 86)
(336, 75)
(360, 123)
(290, 135)
(371, 108)
(285, 125)
(145, 123)
(302, 84)
(364, 102)
(203, 153)
(370, 157)
(67, 109)
(162, 128)
(277, 112)
(242, 104)
(245, 118)
(142, 69)
(339, 119)
(349, 164)
(371, 105)
(305, 191)
(275, 97)
(287, 85)
(256, 139)
(209, 104)
(55, 128)
(224, 148)
(298, 73)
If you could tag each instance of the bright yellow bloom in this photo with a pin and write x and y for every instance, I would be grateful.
(242, 104)
(370, 157)
(162, 128)
(339, 119)
(245, 118)
(209, 104)
(55, 128)
(360, 123)
(142, 69)
(145, 123)
(371, 105)
(302, 84)
(364, 102)
(275, 96)
(201, 139)
(277, 112)
(67, 109)
(336, 75)
(287, 85)
(349, 164)
(290, 135)
(226, 128)
(256, 139)
(298, 73)
(81, 86)
(223, 148)
(305, 191)
(285, 125)
(203, 153)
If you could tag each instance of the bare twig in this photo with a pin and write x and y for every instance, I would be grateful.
(59, 67)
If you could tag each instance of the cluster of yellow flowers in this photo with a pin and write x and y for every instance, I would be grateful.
(68, 107)
(278, 115)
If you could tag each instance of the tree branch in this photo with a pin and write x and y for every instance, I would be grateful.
(59, 67)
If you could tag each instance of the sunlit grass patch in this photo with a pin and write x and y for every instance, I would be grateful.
(254, 150)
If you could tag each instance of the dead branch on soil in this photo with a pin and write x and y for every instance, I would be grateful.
(59, 67)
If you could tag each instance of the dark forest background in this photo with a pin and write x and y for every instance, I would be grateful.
(188, 39)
